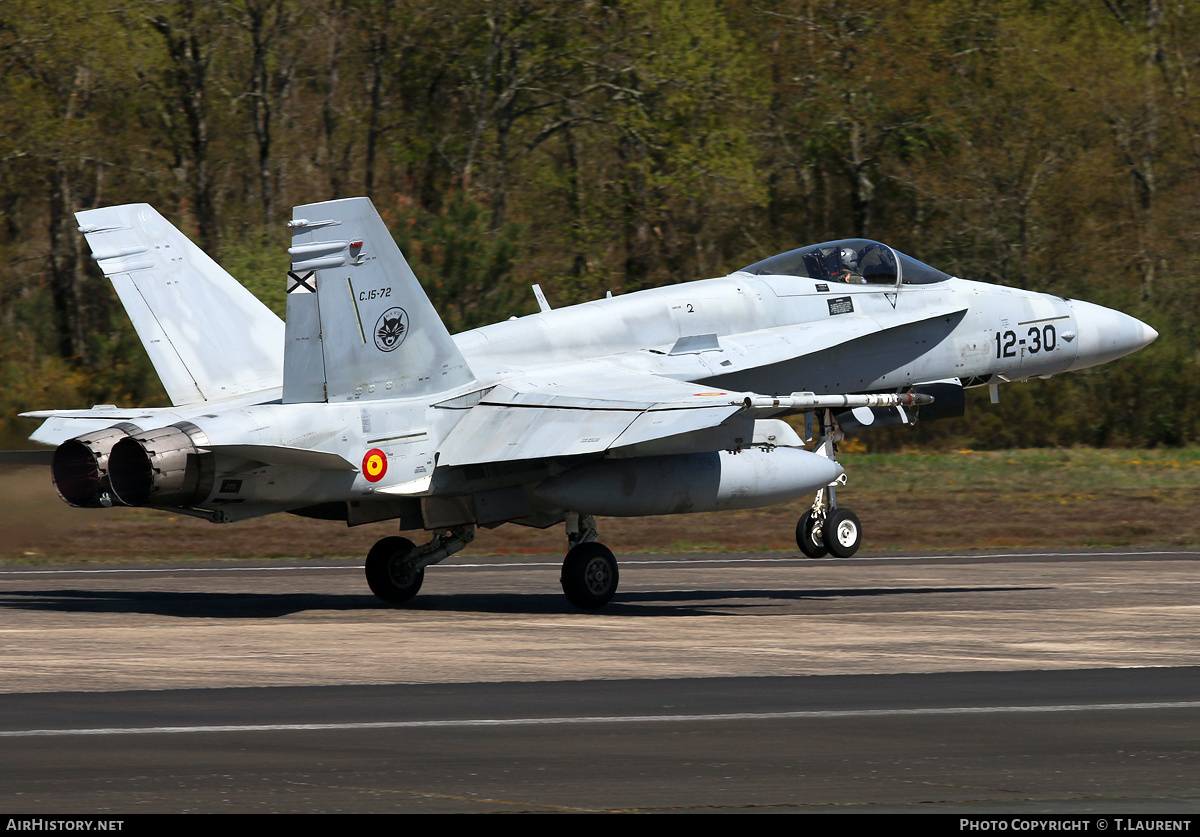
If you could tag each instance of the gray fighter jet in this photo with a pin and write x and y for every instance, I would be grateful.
(363, 407)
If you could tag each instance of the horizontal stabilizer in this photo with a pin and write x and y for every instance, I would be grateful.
(60, 425)
(108, 414)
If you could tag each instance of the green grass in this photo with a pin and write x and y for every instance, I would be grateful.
(940, 501)
(1047, 470)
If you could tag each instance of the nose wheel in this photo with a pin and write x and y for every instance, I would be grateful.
(842, 533)
(809, 536)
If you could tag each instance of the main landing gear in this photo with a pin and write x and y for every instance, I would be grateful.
(391, 573)
(826, 529)
(396, 567)
(589, 572)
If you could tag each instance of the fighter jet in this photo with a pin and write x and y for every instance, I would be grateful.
(362, 407)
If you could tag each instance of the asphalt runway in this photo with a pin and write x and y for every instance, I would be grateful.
(1025, 683)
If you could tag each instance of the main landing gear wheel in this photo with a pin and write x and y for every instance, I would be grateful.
(589, 575)
(842, 533)
(390, 573)
(808, 536)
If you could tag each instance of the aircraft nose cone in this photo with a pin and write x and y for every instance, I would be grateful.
(1105, 334)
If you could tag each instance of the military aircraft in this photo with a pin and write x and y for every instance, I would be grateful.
(362, 407)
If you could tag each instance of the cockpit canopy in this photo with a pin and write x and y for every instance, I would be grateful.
(856, 261)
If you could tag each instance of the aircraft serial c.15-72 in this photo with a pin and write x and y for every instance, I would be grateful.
(362, 407)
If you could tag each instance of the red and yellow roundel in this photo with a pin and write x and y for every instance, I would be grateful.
(374, 465)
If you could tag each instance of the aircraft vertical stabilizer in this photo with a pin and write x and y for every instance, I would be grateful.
(364, 328)
(208, 337)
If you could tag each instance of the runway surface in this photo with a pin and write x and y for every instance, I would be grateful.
(1029, 683)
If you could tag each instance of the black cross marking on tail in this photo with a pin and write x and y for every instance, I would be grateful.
(305, 284)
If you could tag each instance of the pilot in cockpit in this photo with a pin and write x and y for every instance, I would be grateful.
(849, 272)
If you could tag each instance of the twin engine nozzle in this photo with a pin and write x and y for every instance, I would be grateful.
(166, 466)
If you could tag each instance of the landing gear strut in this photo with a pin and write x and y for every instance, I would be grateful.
(589, 572)
(396, 567)
(825, 528)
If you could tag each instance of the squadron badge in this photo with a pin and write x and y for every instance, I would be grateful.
(391, 329)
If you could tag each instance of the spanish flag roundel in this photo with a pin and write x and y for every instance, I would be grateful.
(374, 465)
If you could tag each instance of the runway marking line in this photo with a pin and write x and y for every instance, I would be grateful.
(602, 719)
(635, 562)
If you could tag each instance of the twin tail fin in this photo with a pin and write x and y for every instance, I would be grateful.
(359, 325)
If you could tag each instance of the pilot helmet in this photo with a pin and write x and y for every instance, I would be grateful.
(849, 258)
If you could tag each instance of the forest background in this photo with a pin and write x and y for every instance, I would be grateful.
(593, 146)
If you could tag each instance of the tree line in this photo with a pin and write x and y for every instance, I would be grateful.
(617, 145)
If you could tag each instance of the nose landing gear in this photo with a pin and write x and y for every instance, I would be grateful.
(826, 529)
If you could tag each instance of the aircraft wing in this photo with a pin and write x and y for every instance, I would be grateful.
(582, 408)
(589, 407)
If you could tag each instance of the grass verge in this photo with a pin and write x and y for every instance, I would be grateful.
(1041, 499)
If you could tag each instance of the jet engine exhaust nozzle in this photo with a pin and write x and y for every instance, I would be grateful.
(162, 467)
(80, 467)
